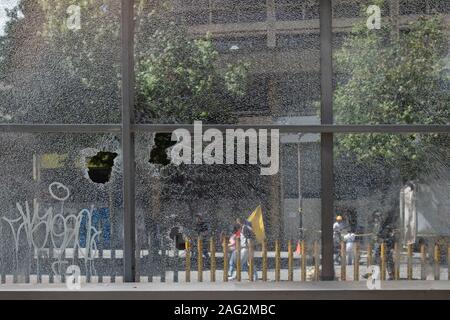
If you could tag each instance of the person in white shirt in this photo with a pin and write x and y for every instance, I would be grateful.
(338, 227)
(349, 239)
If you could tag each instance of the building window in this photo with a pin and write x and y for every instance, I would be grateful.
(291, 10)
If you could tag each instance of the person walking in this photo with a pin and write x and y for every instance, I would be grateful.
(246, 235)
(349, 239)
(338, 227)
(383, 231)
(232, 247)
(201, 229)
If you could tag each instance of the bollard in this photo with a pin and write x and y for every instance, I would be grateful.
(212, 250)
(343, 262)
(383, 262)
(238, 259)
(225, 259)
(188, 260)
(410, 257)
(277, 260)
(316, 261)
(396, 261)
(369, 255)
(356, 263)
(290, 262)
(264, 261)
(250, 260)
(176, 255)
(200, 259)
(304, 257)
(437, 258)
(423, 258)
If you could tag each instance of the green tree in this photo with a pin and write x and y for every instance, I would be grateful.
(391, 77)
(180, 81)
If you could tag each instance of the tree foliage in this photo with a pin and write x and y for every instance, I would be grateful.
(181, 81)
(388, 77)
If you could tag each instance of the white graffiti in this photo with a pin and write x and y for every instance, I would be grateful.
(60, 231)
(58, 186)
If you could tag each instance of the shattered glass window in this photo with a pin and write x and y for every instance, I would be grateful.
(391, 65)
(176, 205)
(61, 205)
(392, 190)
(59, 62)
(207, 72)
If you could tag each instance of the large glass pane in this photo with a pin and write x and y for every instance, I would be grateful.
(59, 61)
(391, 62)
(60, 206)
(227, 62)
(175, 204)
(392, 190)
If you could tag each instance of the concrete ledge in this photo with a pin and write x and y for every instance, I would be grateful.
(397, 290)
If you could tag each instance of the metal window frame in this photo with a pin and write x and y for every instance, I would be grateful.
(127, 130)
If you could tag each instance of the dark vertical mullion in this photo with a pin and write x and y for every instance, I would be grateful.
(326, 63)
(326, 152)
(129, 261)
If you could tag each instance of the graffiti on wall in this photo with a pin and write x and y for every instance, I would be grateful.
(55, 228)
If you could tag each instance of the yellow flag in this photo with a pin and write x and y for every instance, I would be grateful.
(256, 219)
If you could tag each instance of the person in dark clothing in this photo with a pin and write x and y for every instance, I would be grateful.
(384, 232)
(201, 228)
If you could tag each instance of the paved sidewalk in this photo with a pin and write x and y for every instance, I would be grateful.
(233, 290)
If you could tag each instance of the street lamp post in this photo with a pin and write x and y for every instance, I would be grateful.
(300, 198)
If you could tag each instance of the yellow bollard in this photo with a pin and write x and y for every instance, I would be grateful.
(316, 261)
(356, 263)
(290, 262)
(277, 260)
(396, 261)
(423, 258)
(238, 259)
(383, 261)
(304, 258)
(410, 257)
(200, 259)
(188, 260)
(437, 258)
(369, 255)
(264, 261)
(225, 259)
(250, 260)
(212, 250)
(343, 262)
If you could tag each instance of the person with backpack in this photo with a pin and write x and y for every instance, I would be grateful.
(246, 235)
